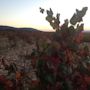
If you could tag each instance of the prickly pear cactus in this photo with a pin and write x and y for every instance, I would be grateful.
(68, 66)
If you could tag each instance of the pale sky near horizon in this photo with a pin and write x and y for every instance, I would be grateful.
(25, 13)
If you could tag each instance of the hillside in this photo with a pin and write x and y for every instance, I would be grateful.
(16, 45)
(17, 40)
(28, 33)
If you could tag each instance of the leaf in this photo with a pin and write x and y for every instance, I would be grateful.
(41, 10)
(73, 20)
(50, 12)
(77, 17)
(81, 13)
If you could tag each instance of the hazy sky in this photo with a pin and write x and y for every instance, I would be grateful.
(25, 13)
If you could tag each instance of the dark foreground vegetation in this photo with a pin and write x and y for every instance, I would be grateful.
(38, 60)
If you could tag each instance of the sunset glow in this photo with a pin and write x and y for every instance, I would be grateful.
(25, 13)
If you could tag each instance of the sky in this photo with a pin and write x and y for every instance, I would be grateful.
(25, 13)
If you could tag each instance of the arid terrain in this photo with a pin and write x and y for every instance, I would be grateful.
(15, 43)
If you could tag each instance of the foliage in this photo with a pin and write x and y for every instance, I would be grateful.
(64, 64)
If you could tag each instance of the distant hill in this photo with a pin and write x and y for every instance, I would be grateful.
(7, 28)
(28, 33)
(14, 28)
